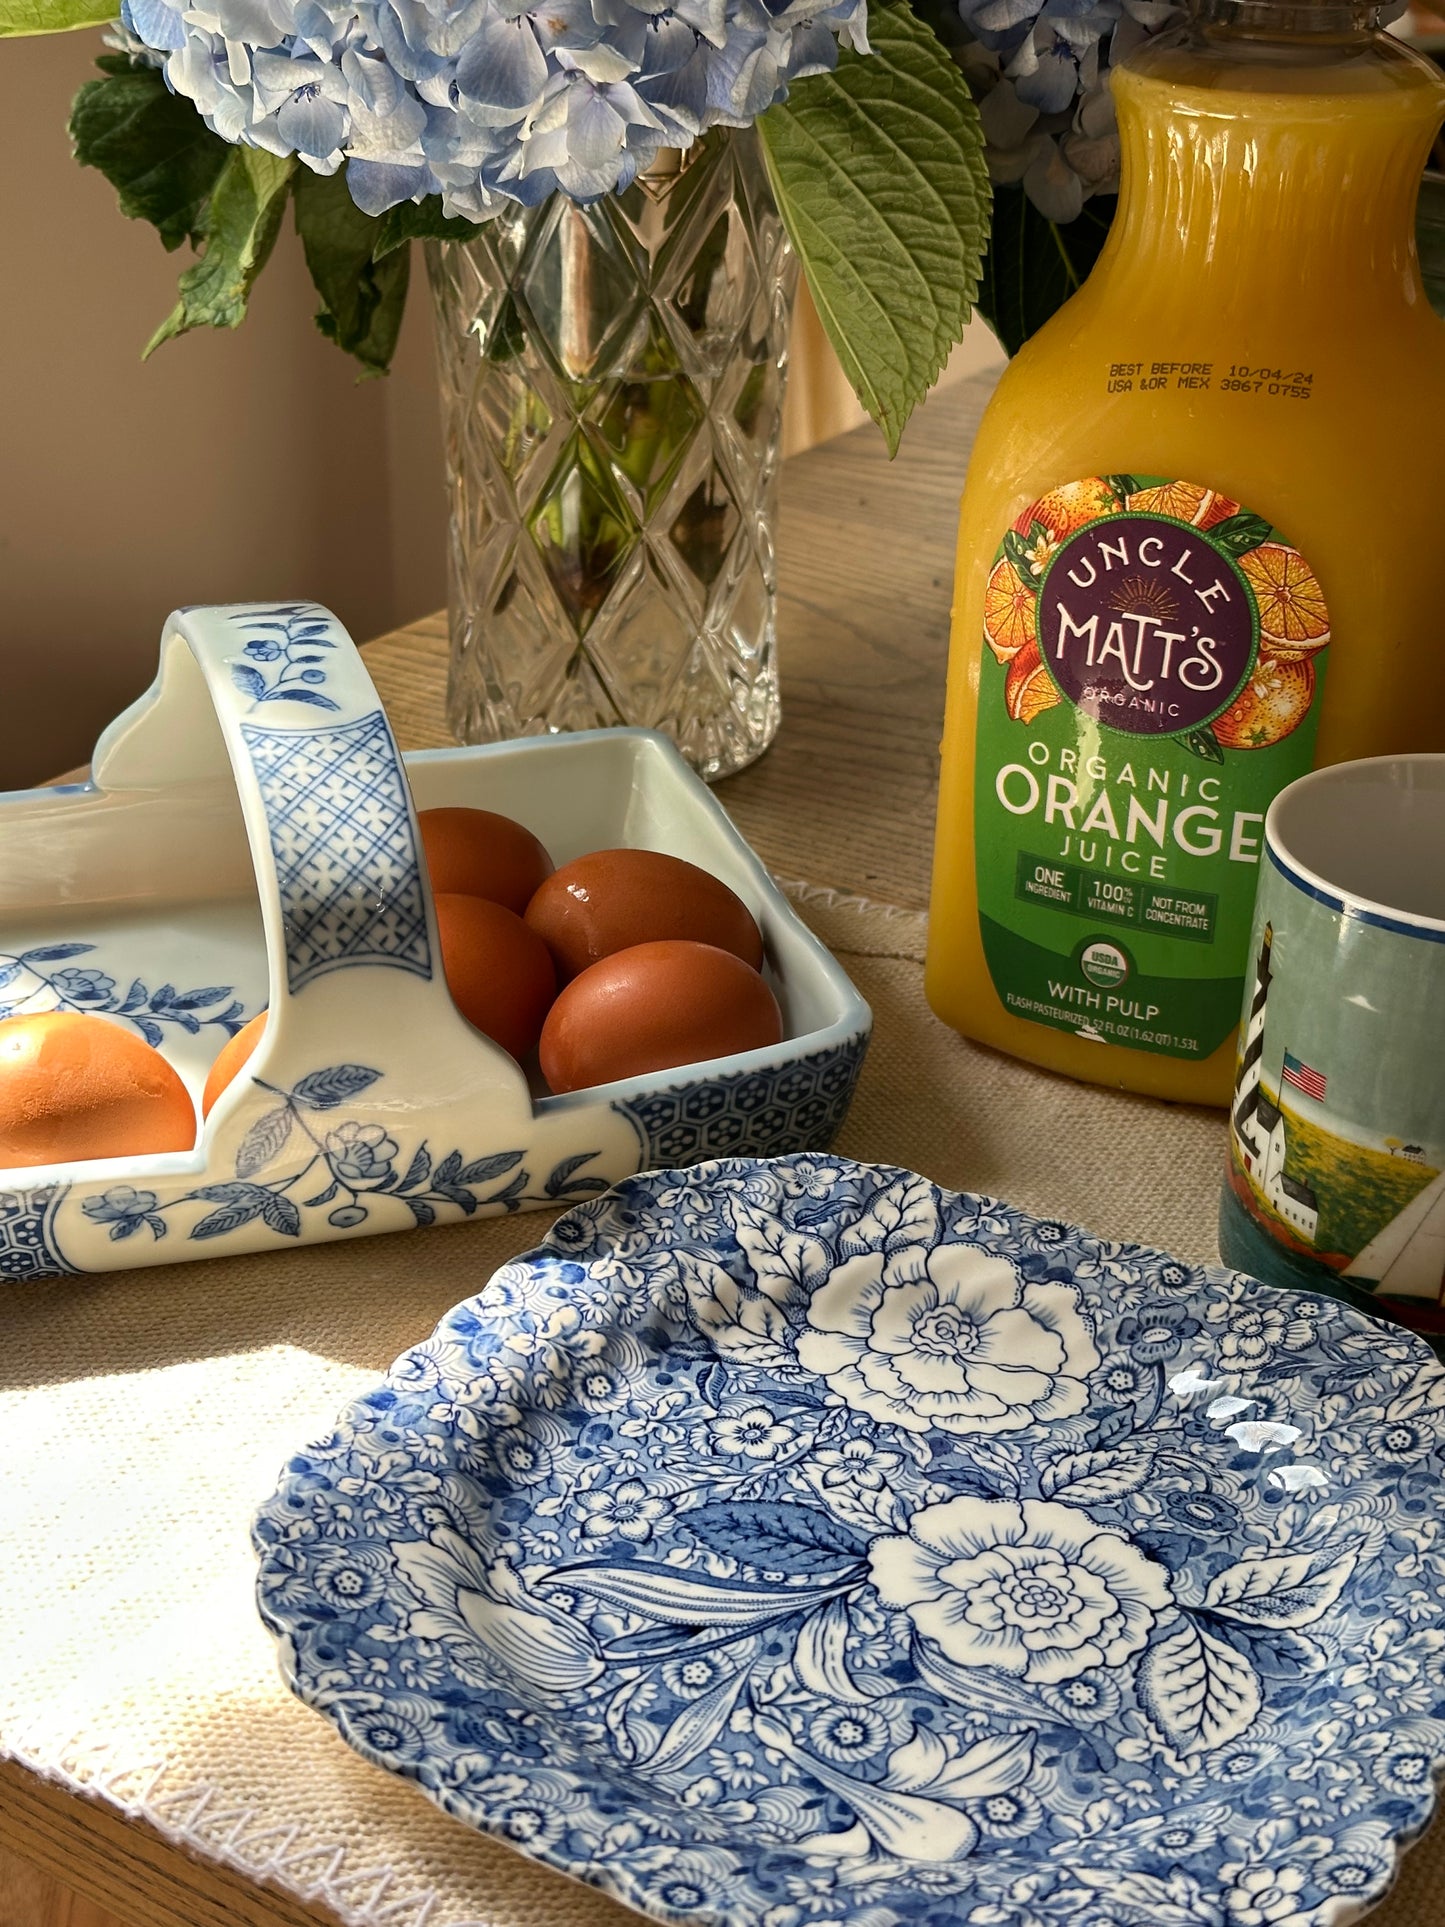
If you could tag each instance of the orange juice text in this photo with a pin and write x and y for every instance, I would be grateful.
(1199, 549)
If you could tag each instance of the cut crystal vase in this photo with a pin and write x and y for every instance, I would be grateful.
(612, 386)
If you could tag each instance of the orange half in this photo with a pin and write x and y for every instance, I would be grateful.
(1274, 701)
(1185, 501)
(1009, 618)
(1063, 510)
(1028, 688)
(1293, 618)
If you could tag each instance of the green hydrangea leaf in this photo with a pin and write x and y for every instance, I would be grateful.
(879, 174)
(374, 346)
(362, 299)
(53, 16)
(151, 145)
(1035, 264)
(242, 222)
(420, 221)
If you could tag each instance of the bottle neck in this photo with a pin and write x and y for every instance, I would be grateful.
(1281, 164)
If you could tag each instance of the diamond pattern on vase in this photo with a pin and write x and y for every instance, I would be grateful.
(711, 704)
(648, 422)
(484, 292)
(702, 531)
(749, 604)
(527, 664)
(27, 1245)
(344, 848)
(580, 283)
(646, 646)
(612, 383)
(709, 277)
(788, 1107)
(584, 530)
(752, 395)
(513, 416)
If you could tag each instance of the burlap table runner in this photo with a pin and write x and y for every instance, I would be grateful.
(147, 1414)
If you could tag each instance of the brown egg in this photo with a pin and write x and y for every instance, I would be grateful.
(230, 1060)
(615, 899)
(476, 853)
(498, 971)
(652, 1008)
(77, 1086)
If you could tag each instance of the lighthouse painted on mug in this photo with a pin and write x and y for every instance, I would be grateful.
(1260, 1132)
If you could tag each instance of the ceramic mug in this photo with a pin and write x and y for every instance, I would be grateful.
(1336, 1173)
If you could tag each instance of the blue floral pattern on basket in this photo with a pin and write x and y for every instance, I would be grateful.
(345, 1165)
(797, 1542)
(284, 658)
(27, 984)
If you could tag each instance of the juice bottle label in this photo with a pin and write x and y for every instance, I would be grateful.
(1155, 654)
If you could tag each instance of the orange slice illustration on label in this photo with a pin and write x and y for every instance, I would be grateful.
(1217, 509)
(1009, 619)
(1186, 502)
(1028, 688)
(1293, 618)
(1065, 509)
(1274, 701)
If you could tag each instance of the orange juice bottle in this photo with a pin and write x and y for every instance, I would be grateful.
(1199, 548)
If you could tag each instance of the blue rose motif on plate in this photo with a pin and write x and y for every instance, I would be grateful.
(1034, 1589)
(966, 1346)
(795, 1542)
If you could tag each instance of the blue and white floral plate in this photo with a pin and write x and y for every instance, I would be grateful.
(796, 1542)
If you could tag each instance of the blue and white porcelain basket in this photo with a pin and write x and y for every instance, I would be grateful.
(248, 839)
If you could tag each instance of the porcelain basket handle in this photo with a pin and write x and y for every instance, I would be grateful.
(351, 935)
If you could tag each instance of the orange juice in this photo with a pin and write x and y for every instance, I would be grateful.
(1199, 549)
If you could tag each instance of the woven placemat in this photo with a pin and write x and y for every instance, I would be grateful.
(147, 1414)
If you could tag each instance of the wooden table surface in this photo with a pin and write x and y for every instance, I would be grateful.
(865, 559)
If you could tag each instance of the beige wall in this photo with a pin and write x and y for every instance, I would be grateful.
(230, 466)
(820, 404)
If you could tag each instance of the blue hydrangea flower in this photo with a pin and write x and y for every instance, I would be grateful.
(484, 102)
(1041, 76)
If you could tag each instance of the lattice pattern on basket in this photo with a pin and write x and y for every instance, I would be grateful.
(772, 1110)
(344, 847)
(27, 1246)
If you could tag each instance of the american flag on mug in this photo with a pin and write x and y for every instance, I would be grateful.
(1304, 1077)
